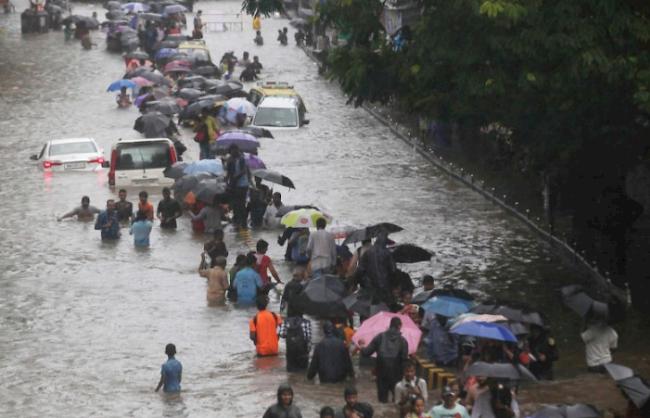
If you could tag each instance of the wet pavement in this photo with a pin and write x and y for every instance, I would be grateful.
(83, 324)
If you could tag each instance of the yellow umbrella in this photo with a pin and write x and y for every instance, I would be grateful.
(303, 218)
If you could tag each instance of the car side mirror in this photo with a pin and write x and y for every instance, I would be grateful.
(33, 157)
(305, 122)
(106, 164)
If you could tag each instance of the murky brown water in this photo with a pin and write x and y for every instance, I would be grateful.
(83, 324)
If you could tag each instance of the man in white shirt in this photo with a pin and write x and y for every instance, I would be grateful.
(600, 339)
(449, 408)
(409, 387)
(271, 221)
(321, 249)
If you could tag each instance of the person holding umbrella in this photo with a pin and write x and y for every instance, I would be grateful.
(238, 178)
(392, 352)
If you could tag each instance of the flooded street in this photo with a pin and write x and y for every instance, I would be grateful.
(83, 324)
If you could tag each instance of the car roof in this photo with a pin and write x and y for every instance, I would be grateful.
(278, 101)
(142, 141)
(275, 88)
(70, 140)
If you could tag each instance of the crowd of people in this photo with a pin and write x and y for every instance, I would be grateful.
(370, 270)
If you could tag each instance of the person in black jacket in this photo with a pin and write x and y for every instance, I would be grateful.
(331, 359)
(285, 407)
(392, 353)
(291, 290)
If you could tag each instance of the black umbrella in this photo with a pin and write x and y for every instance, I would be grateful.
(274, 177)
(618, 372)
(636, 389)
(193, 81)
(190, 93)
(195, 108)
(156, 78)
(155, 17)
(361, 303)
(288, 208)
(514, 313)
(322, 297)
(176, 36)
(581, 303)
(578, 410)
(165, 106)
(409, 253)
(226, 88)
(112, 4)
(169, 43)
(152, 125)
(115, 14)
(207, 71)
(371, 232)
(500, 371)
(175, 171)
(189, 182)
(207, 190)
(138, 55)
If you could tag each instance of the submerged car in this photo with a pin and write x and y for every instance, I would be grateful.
(141, 162)
(279, 113)
(273, 89)
(70, 154)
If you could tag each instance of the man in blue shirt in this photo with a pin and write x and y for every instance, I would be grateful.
(171, 372)
(140, 229)
(247, 281)
(108, 223)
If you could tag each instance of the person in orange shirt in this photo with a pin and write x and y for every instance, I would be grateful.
(145, 206)
(264, 329)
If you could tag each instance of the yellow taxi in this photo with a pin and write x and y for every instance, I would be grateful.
(274, 89)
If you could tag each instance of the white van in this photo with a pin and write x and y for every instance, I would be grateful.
(276, 112)
(141, 162)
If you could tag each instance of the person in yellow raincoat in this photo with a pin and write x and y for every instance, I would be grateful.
(257, 22)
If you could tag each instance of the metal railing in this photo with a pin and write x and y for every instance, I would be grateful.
(223, 22)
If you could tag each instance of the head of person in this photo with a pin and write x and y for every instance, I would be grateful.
(407, 297)
(240, 261)
(219, 262)
(199, 13)
(170, 350)
(351, 396)
(123, 90)
(321, 223)
(261, 302)
(326, 412)
(143, 196)
(110, 205)
(298, 273)
(328, 328)
(258, 33)
(417, 405)
(427, 282)
(285, 395)
(234, 151)
(85, 202)
(251, 260)
(448, 397)
(409, 370)
(256, 58)
(140, 216)
(277, 199)
(262, 246)
(166, 193)
(285, 30)
(395, 323)
(245, 55)
(122, 195)
(218, 234)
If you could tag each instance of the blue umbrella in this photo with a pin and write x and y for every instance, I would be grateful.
(204, 166)
(174, 8)
(484, 330)
(448, 306)
(135, 7)
(165, 53)
(119, 84)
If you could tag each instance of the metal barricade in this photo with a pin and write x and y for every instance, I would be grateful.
(222, 22)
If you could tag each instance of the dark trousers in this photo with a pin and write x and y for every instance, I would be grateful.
(286, 234)
(384, 387)
(238, 204)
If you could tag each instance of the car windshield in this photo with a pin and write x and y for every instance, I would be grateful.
(142, 155)
(276, 116)
(84, 147)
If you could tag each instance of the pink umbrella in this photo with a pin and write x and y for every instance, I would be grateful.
(379, 323)
(178, 66)
(142, 82)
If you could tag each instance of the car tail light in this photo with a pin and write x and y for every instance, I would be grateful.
(111, 172)
(98, 160)
(172, 154)
(50, 164)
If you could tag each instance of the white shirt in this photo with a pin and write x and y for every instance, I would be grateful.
(270, 220)
(400, 388)
(599, 341)
(322, 250)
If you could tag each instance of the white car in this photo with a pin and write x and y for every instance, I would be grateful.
(70, 154)
(279, 113)
(141, 162)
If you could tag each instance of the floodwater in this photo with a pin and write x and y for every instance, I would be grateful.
(83, 324)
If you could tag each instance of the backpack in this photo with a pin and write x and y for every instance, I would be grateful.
(296, 340)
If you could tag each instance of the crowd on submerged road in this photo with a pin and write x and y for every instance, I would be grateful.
(373, 289)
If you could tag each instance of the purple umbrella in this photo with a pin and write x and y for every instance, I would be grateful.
(138, 100)
(165, 53)
(254, 162)
(245, 142)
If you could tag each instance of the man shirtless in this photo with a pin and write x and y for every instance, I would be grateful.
(85, 212)
(217, 279)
